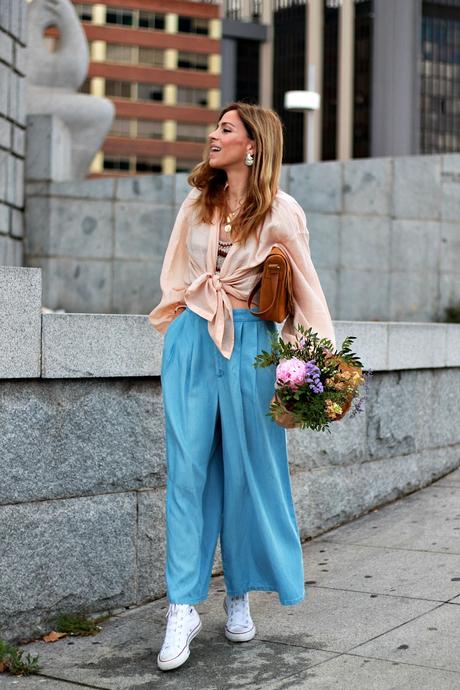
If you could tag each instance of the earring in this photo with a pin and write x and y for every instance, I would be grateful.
(249, 159)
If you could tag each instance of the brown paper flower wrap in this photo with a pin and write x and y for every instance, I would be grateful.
(284, 418)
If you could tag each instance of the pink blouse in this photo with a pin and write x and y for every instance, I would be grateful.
(189, 276)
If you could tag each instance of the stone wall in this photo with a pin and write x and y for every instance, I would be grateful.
(384, 237)
(12, 129)
(83, 468)
(101, 242)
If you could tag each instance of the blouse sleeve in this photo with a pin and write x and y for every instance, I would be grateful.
(173, 272)
(310, 306)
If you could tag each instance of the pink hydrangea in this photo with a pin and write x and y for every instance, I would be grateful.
(292, 372)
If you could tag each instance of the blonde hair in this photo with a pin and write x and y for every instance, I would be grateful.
(264, 127)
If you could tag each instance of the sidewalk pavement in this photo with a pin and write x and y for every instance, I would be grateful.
(382, 612)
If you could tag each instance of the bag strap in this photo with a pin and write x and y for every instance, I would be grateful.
(253, 292)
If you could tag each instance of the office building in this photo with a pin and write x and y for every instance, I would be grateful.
(387, 71)
(159, 62)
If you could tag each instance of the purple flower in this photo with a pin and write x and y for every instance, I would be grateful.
(357, 407)
(313, 377)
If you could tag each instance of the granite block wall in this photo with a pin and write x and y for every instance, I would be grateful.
(385, 234)
(12, 130)
(100, 243)
(384, 237)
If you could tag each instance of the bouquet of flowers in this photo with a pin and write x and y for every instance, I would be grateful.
(315, 384)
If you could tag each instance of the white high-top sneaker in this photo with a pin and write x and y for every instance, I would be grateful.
(240, 626)
(182, 626)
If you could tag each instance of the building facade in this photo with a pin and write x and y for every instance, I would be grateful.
(387, 71)
(160, 64)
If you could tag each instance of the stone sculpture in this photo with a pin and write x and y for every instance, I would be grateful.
(53, 79)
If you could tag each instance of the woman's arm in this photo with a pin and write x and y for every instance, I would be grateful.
(174, 271)
(310, 306)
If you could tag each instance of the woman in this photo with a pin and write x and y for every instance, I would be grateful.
(227, 461)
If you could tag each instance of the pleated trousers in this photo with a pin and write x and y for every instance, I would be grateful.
(227, 466)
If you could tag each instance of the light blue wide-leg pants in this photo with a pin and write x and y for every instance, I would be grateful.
(227, 466)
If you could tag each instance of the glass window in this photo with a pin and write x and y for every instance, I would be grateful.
(188, 96)
(289, 71)
(256, 12)
(121, 127)
(149, 92)
(116, 163)
(193, 25)
(118, 89)
(115, 15)
(116, 52)
(247, 71)
(362, 79)
(151, 20)
(233, 9)
(149, 129)
(84, 12)
(151, 56)
(192, 61)
(186, 132)
(148, 164)
(439, 77)
(330, 80)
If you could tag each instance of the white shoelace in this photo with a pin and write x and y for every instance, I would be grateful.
(238, 609)
(176, 615)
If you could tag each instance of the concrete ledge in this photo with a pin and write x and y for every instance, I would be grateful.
(397, 345)
(106, 345)
(81, 345)
(99, 345)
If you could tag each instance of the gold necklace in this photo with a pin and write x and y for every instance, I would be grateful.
(229, 219)
(230, 216)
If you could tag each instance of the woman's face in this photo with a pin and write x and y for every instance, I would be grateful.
(229, 142)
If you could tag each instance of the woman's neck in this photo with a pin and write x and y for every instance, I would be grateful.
(237, 184)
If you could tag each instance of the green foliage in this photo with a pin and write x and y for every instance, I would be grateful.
(11, 659)
(76, 624)
(308, 345)
(317, 420)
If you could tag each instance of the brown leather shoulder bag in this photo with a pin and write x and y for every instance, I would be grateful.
(276, 297)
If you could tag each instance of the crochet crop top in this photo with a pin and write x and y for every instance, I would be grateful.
(222, 251)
